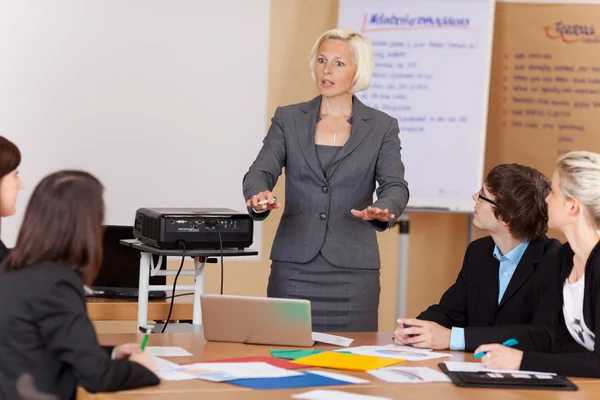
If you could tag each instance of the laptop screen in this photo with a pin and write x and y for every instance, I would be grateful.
(121, 264)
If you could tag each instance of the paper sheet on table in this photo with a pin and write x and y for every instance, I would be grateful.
(219, 372)
(167, 370)
(167, 351)
(161, 363)
(397, 352)
(335, 395)
(409, 348)
(173, 375)
(306, 380)
(293, 354)
(275, 361)
(339, 377)
(352, 362)
(457, 366)
(332, 339)
(409, 375)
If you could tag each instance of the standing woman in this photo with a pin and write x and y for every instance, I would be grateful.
(10, 183)
(574, 209)
(334, 150)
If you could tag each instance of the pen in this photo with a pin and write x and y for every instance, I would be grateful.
(404, 326)
(146, 336)
(509, 343)
(266, 201)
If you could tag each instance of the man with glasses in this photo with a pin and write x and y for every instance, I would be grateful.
(510, 277)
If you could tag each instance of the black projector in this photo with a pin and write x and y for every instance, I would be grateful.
(166, 228)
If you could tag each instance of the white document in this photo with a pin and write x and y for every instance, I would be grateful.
(161, 363)
(335, 395)
(173, 375)
(339, 377)
(398, 347)
(397, 352)
(457, 366)
(331, 339)
(167, 370)
(219, 372)
(167, 351)
(409, 348)
(409, 375)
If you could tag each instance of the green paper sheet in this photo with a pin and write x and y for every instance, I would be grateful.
(296, 354)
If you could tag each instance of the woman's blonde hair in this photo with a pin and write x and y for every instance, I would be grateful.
(579, 175)
(362, 54)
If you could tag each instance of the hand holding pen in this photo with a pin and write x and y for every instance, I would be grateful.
(500, 356)
(143, 357)
(263, 201)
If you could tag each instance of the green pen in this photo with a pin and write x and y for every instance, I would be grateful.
(146, 336)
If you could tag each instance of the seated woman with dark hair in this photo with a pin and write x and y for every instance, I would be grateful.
(46, 331)
(10, 183)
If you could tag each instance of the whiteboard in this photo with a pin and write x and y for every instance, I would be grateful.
(551, 1)
(163, 100)
(432, 73)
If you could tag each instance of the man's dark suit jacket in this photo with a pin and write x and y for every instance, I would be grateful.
(533, 295)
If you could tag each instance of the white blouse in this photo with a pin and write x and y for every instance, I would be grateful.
(573, 312)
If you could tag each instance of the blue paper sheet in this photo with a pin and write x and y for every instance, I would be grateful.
(306, 380)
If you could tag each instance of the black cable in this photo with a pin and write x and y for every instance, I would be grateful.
(180, 295)
(222, 269)
(174, 285)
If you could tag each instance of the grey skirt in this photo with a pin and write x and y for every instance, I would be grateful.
(341, 299)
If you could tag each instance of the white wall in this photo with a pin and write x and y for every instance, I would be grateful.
(164, 100)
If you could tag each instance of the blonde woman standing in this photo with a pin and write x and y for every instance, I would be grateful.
(574, 209)
(334, 150)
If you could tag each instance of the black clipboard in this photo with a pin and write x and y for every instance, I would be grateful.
(508, 380)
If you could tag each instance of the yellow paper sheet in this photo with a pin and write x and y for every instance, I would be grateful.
(351, 362)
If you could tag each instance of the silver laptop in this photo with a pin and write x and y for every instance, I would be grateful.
(257, 320)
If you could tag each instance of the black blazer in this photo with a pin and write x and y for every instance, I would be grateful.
(572, 359)
(3, 251)
(532, 296)
(45, 330)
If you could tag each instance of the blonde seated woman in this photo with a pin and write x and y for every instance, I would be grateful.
(569, 346)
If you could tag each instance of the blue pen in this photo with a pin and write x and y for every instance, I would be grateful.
(509, 343)
(408, 326)
(404, 326)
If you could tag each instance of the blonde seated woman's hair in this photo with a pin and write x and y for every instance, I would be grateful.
(579, 174)
(362, 54)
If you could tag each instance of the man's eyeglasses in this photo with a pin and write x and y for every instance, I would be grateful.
(482, 197)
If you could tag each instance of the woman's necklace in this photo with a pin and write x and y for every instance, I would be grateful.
(335, 134)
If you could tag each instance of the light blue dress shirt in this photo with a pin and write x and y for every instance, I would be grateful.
(508, 265)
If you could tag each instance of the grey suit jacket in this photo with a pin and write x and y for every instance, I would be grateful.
(317, 215)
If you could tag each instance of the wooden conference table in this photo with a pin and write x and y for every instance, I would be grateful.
(203, 351)
(100, 309)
